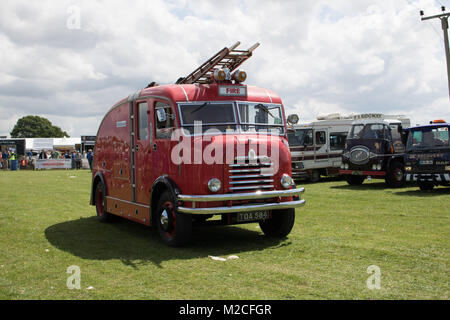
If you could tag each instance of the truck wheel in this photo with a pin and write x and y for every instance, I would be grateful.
(175, 229)
(355, 180)
(280, 224)
(100, 195)
(395, 177)
(426, 186)
(314, 176)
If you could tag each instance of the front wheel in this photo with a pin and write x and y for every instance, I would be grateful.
(280, 224)
(174, 228)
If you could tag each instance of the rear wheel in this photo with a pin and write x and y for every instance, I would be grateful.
(355, 180)
(174, 228)
(395, 175)
(100, 207)
(280, 224)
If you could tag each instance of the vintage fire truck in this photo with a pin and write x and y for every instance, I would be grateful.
(205, 149)
(427, 158)
(375, 149)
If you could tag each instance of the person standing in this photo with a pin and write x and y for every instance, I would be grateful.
(90, 157)
(5, 157)
(78, 160)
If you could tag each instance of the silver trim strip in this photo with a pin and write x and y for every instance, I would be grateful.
(242, 196)
(251, 181)
(246, 208)
(253, 187)
(185, 94)
(252, 176)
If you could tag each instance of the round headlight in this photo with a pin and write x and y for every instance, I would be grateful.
(346, 166)
(374, 167)
(378, 166)
(214, 185)
(286, 181)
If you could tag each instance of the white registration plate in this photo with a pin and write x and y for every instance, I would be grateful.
(252, 216)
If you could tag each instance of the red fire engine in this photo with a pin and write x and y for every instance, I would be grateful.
(206, 146)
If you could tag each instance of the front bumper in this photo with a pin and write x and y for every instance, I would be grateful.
(362, 173)
(428, 177)
(242, 197)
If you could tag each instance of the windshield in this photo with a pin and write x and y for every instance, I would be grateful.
(300, 137)
(428, 137)
(219, 116)
(369, 131)
(258, 117)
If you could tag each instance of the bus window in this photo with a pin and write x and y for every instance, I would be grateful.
(320, 137)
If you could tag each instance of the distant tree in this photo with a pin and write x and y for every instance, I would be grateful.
(36, 127)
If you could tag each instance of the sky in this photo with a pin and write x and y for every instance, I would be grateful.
(70, 61)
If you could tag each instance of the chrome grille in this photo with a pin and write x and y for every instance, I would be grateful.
(255, 174)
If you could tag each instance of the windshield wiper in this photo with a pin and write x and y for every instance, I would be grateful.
(201, 107)
(265, 109)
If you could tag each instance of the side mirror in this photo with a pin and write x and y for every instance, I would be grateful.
(292, 119)
(161, 115)
(400, 128)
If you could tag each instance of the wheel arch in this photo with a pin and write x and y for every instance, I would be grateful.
(95, 180)
(160, 185)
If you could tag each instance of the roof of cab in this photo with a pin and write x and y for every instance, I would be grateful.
(202, 92)
(431, 125)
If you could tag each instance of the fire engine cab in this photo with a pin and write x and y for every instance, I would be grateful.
(207, 146)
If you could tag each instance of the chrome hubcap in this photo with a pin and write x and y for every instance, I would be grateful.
(164, 220)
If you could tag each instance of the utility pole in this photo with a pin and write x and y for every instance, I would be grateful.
(444, 23)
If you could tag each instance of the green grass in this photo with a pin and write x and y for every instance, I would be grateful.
(47, 225)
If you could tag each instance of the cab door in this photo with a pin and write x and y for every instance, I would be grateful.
(142, 148)
(321, 152)
(165, 123)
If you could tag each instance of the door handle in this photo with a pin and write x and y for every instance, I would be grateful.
(154, 146)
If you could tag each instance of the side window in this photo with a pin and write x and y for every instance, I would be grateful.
(143, 132)
(337, 140)
(320, 137)
(164, 120)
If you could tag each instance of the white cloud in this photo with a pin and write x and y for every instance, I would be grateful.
(319, 56)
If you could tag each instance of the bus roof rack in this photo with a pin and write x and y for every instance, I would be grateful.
(226, 58)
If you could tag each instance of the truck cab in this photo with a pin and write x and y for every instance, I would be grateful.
(427, 157)
(374, 148)
(208, 146)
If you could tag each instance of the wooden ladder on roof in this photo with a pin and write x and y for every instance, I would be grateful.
(226, 58)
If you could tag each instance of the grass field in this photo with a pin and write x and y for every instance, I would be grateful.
(47, 225)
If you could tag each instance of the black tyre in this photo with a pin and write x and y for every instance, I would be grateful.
(280, 224)
(100, 207)
(426, 186)
(395, 176)
(174, 228)
(314, 176)
(355, 180)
